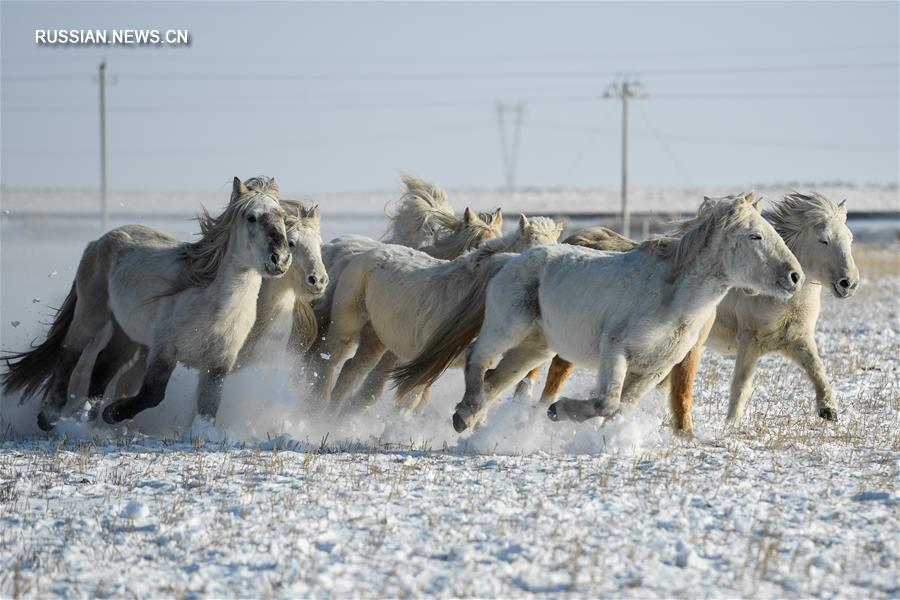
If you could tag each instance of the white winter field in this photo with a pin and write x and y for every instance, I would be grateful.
(276, 503)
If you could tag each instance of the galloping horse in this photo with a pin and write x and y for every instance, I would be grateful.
(634, 314)
(815, 229)
(174, 302)
(392, 298)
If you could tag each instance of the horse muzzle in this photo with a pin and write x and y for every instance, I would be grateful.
(278, 264)
(844, 287)
(789, 281)
(316, 283)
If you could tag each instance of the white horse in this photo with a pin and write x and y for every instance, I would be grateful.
(193, 303)
(815, 229)
(423, 220)
(634, 314)
(284, 315)
(392, 298)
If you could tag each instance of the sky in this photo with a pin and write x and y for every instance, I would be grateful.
(345, 96)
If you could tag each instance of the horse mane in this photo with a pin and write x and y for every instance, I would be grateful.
(464, 237)
(795, 212)
(295, 214)
(421, 212)
(203, 258)
(304, 327)
(600, 238)
(689, 237)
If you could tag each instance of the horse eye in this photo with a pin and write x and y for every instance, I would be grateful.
(292, 243)
(755, 236)
(823, 242)
(251, 219)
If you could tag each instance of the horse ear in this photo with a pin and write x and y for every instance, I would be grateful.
(750, 198)
(497, 218)
(238, 187)
(757, 202)
(314, 213)
(469, 216)
(523, 223)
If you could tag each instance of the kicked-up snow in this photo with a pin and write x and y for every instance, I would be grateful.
(279, 502)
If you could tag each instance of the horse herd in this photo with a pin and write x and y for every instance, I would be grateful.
(441, 291)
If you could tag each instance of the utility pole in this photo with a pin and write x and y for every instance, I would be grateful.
(103, 207)
(510, 147)
(624, 89)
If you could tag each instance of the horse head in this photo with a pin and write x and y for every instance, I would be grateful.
(308, 276)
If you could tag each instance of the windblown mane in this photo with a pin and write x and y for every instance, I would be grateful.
(420, 213)
(795, 212)
(449, 244)
(295, 213)
(689, 237)
(203, 258)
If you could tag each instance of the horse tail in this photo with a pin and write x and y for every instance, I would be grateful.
(420, 213)
(601, 238)
(30, 371)
(451, 337)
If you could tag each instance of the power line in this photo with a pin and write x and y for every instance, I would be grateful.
(689, 138)
(206, 77)
(291, 107)
(306, 59)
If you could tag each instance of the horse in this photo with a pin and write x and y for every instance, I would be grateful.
(284, 314)
(392, 298)
(423, 220)
(633, 315)
(815, 229)
(168, 300)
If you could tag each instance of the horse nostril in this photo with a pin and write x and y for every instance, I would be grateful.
(795, 277)
(311, 279)
(844, 283)
(274, 258)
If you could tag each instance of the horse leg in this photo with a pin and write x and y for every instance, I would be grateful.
(152, 392)
(368, 354)
(209, 392)
(373, 386)
(560, 371)
(611, 374)
(805, 354)
(117, 353)
(525, 388)
(514, 364)
(126, 381)
(742, 379)
(91, 315)
(681, 382)
(499, 333)
(347, 322)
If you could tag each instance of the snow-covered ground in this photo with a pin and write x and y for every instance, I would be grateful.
(277, 503)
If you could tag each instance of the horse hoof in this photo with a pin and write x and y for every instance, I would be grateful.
(458, 423)
(43, 422)
(828, 413)
(552, 412)
(111, 414)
